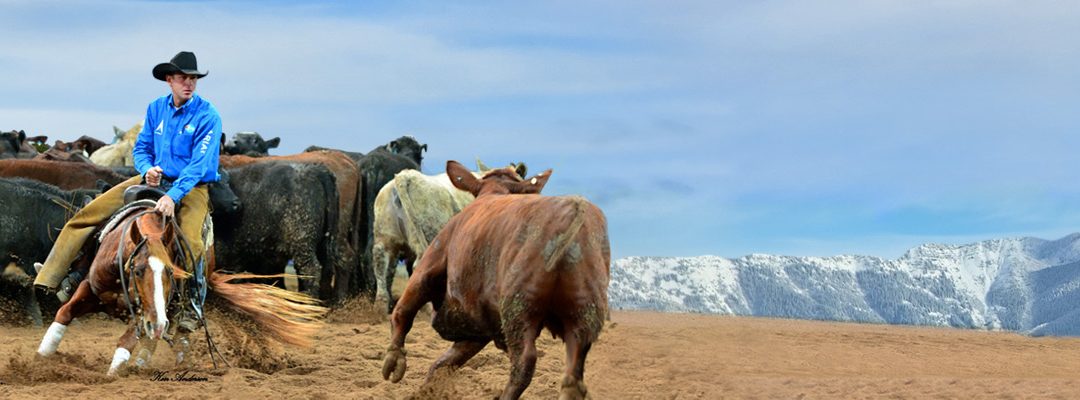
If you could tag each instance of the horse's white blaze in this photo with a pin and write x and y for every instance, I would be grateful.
(159, 293)
(52, 339)
(119, 358)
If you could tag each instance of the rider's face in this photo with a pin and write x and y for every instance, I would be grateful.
(182, 85)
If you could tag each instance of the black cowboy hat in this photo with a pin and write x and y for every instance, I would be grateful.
(183, 61)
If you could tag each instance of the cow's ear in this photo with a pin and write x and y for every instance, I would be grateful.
(22, 136)
(532, 185)
(424, 147)
(521, 169)
(273, 143)
(462, 178)
(103, 186)
(480, 166)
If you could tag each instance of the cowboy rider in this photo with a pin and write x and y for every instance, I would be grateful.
(177, 151)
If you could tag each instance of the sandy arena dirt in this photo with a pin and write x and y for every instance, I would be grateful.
(639, 356)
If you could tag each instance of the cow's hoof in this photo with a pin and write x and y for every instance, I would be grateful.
(573, 389)
(394, 364)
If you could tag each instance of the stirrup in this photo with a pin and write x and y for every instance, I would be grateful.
(68, 286)
(187, 320)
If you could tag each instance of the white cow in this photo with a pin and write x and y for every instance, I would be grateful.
(118, 154)
(409, 211)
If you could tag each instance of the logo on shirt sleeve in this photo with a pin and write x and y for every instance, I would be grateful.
(206, 142)
(160, 128)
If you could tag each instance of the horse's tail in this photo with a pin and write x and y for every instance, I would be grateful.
(288, 317)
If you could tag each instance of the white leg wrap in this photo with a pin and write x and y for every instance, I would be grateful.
(119, 358)
(52, 339)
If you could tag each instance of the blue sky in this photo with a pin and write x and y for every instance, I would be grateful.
(725, 128)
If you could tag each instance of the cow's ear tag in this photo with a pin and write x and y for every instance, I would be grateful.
(459, 179)
(533, 181)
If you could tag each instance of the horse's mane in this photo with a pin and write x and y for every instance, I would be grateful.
(122, 214)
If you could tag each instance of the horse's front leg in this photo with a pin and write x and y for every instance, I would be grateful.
(81, 303)
(123, 348)
(181, 346)
(148, 345)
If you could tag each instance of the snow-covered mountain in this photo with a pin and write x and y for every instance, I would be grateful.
(1021, 284)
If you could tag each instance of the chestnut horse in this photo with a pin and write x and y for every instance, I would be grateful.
(134, 276)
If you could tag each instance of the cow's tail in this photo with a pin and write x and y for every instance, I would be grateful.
(415, 232)
(286, 316)
(327, 249)
(564, 240)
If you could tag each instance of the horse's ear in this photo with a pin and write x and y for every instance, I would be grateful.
(167, 234)
(134, 233)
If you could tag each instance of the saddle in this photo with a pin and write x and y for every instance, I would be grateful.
(142, 192)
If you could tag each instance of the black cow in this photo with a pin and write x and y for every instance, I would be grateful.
(290, 212)
(15, 144)
(249, 144)
(378, 168)
(31, 215)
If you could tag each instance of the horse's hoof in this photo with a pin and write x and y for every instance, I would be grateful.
(394, 364)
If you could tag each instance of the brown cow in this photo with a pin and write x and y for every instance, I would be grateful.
(63, 151)
(65, 175)
(83, 144)
(510, 264)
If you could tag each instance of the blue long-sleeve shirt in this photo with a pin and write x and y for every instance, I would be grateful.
(184, 141)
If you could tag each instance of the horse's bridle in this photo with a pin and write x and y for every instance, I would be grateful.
(126, 274)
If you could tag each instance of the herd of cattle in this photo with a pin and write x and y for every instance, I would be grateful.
(498, 262)
(315, 208)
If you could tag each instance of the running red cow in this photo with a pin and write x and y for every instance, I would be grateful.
(510, 264)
